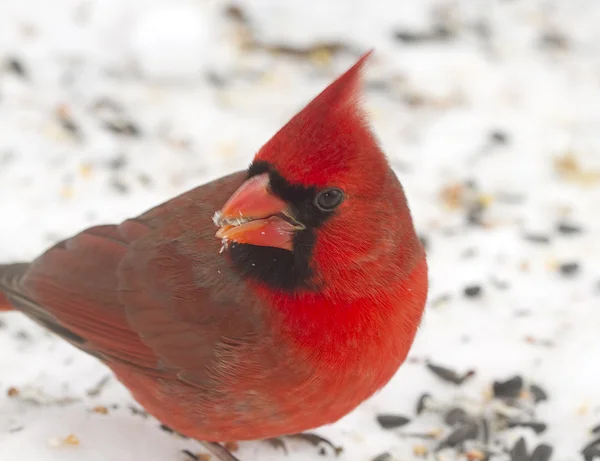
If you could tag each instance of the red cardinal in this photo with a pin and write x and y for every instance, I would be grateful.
(303, 305)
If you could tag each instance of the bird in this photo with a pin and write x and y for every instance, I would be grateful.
(266, 303)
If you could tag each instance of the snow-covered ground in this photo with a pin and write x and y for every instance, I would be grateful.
(488, 109)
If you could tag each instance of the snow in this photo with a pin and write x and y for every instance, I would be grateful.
(509, 101)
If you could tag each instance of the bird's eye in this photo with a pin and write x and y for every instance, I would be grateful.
(329, 199)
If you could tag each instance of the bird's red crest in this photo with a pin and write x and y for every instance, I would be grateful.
(329, 138)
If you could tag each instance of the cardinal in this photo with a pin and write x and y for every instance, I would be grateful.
(298, 305)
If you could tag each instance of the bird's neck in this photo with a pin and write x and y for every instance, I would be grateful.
(343, 331)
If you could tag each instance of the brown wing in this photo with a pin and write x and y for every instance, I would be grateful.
(135, 293)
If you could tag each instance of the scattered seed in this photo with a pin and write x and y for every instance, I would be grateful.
(16, 66)
(122, 127)
(191, 455)
(119, 186)
(385, 456)
(424, 241)
(422, 403)
(138, 411)
(231, 446)
(118, 162)
(538, 427)
(475, 212)
(519, 451)
(591, 450)
(420, 450)
(316, 440)
(71, 440)
(439, 33)
(472, 291)
(277, 443)
(12, 392)
(499, 137)
(388, 421)
(554, 40)
(499, 284)
(596, 429)
(456, 416)
(449, 375)
(166, 429)
(537, 238)
(568, 229)
(510, 388)
(440, 300)
(100, 409)
(461, 434)
(569, 269)
(542, 452)
(539, 394)
(485, 431)
(95, 391)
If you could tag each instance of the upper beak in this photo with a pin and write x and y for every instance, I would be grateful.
(255, 216)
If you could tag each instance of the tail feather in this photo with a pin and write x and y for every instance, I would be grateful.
(10, 276)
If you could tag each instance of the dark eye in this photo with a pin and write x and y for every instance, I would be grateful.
(329, 199)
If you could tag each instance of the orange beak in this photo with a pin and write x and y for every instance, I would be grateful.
(253, 215)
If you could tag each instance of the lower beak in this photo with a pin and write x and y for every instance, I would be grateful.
(254, 216)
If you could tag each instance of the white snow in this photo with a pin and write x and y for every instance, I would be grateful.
(154, 57)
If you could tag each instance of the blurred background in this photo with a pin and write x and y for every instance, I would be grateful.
(489, 111)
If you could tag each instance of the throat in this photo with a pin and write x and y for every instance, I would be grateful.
(276, 268)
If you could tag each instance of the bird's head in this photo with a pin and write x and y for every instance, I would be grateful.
(321, 208)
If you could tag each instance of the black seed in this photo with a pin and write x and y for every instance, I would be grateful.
(377, 85)
(508, 389)
(475, 213)
(122, 127)
(422, 403)
(537, 238)
(485, 431)
(449, 375)
(108, 103)
(145, 180)
(568, 229)
(166, 429)
(119, 186)
(539, 394)
(316, 440)
(392, 421)
(554, 39)
(591, 450)
(456, 416)
(15, 66)
(461, 434)
(596, 429)
(385, 456)
(191, 455)
(499, 284)
(424, 242)
(410, 37)
(472, 291)
(69, 125)
(216, 80)
(569, 268)
(519, 451)
(499, 137)
(277, 443)
(118, 162)
(538, 427)
(542, 452)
